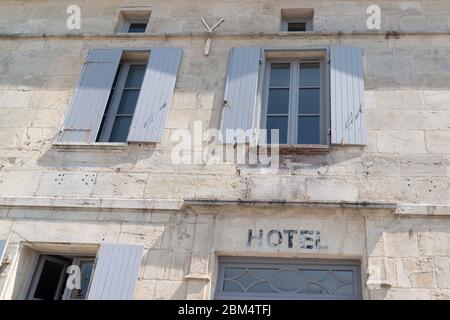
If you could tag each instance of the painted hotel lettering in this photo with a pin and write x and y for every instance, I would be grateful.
(303, 239)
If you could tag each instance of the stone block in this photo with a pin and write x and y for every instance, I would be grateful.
(122, 185)
(442, 270)
(170, 290)
(401, 244)
(19, 183)
(73, 184)
(438, 141)
(400, 141)
(145, 290)
(147, 235)
(437, 99)
(331, 189)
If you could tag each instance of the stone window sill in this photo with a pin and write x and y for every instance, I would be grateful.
(101, 146)
(301, 149)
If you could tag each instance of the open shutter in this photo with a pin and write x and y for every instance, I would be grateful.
(91, 96)
(156, 94)
(241, 91)
(2, 250)
(116, 272)
(347, 96)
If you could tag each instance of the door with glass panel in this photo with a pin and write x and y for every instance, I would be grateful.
(288, 279)
(294, 102)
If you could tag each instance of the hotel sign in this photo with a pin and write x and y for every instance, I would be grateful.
(290, 238)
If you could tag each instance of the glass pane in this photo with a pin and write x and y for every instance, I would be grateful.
(280, 75)
(49, 280)
(278, 101)
(231, 273)
(309, 101)
(345, 290)
(344, 275)
(310, 74)
(288, 281)
(137, 27)
(128, 101)
(135, 76)
(229, 286)
(308, 130)
(296, 26)
(262, 287)
(246, 280)
(117, 76)
(120, 129)
(280, 123)
(86, 271)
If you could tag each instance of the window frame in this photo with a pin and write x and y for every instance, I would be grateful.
(318, 264)
(69, 293)
(128, 21)
(37, 272)
(308, 21)
(292, 130)
(106, 128)
(66, 260)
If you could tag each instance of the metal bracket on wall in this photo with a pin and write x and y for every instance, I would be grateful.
(210, 31)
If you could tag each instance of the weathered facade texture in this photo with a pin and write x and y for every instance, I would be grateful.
(385, 204)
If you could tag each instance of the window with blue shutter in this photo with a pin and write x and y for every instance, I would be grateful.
(116, 272)
(347, 96)
(298, 93)
(122, 99)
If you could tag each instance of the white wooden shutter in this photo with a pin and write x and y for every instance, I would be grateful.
(91, 96)
(116, 272)
(241, 90)
(156, 94)
(347, 96)
(3, 244)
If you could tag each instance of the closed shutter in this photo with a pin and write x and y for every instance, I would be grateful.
(2, 250)
(91, 96)
(241, 90)
(347, 96)
(155, 97)
(116, 272)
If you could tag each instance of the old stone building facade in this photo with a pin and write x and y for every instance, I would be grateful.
(338, 218)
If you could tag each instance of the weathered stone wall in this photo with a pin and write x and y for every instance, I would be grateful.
(406, 161)
(402, 258)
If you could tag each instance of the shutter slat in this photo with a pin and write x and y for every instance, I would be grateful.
(347, 96)
(88, 104)
(116, 272)
(2, 250)
(156, 94)
(241, 90)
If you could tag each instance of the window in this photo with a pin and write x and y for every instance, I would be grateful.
(296, 279)
(297, 19)
(122, 96)
(294, 101)
(50, 278)
(297, 24)
(122, 102)
(133, 20)
(313, 95)
(135, 27)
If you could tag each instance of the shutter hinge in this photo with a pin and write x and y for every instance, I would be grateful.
(260, 62)
(329, 61)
